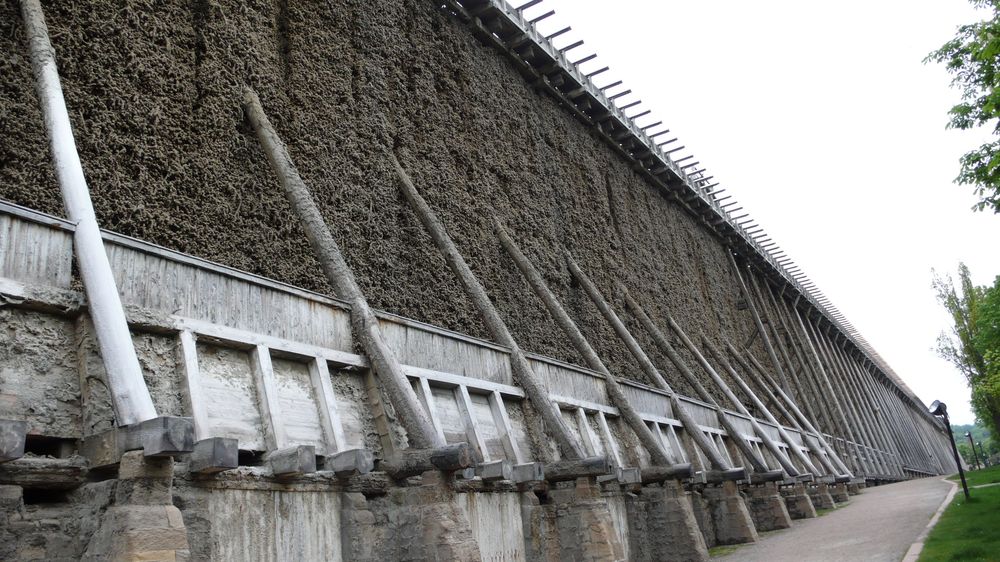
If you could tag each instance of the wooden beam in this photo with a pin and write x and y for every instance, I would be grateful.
(192, 378)
(326, 402)
(267, 398)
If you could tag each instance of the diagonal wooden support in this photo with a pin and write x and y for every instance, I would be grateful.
(419, 430)
(129, 393)
(803, 421)
(661, 341)
(817, 449)
(806, 463)
(757, 320)
(768, 442)
(524, 374)
(690, 425)
(615, 393)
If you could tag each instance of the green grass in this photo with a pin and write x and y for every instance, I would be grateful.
(989, 475)
(721, 550)
(968, 529)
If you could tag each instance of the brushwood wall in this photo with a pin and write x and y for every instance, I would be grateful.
(154, 88)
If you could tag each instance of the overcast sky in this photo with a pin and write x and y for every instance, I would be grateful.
(822, 120)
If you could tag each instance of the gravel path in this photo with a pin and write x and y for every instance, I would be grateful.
(878, 525)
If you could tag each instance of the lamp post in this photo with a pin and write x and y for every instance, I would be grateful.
(975, 455)
(986, 461)
(938, 408)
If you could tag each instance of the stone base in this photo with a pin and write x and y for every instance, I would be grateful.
(839, 493)
(819, 493)
(573, 524)
(143, 523)
(797, 501)
(732, 521)
(766, 507)
(661, 521)
(426, 523)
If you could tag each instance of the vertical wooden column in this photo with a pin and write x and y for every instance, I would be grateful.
(420, 432)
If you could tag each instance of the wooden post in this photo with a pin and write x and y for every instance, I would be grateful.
(419, 431)
(690, 425)
(806, 463)
(524, 374)
(756, 319)
(660, 338)
(768, 442)
(129, 393)
(615, 393)
(817, 443)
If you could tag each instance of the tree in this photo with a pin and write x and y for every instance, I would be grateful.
(973, 346)
(973, 60)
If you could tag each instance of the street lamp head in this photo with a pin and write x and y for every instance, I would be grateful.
(938, 408)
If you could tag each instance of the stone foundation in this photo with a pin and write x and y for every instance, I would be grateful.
(819, 493)
(839, 493)
(661, 520)
(573, 523)
(731, 520)
(767, 508)
(798, 502)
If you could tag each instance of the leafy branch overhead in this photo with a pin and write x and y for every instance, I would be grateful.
(973, 60)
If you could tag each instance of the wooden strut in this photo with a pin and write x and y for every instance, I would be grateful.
(803, 459)
(802, 420)
(756, 319)
(649, 441)
(420, 432)
(661, 341)
(129, 393)
(783, 460)
(714, 457)
(569, 447)
(820, 450)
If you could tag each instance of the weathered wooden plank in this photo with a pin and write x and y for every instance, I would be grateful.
(505, 429)
(333, 428)
(230, 396)
(609, 438)
(298, 404)
(188, 350)
(426, 397)
(267, 398)
(472, 430)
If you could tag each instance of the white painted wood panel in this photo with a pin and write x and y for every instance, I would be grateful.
(230, 396)
(299, 405)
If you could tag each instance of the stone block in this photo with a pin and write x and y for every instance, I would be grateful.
(819, 493)
(767, 508)
(292, 461)
(797, 501)
(12, 437)
(839, 493)
(165, 436)
(492, 471)
(214, 454)
(732, 521)
(528, 472)
(351, 462)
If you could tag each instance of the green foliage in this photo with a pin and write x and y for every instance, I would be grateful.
(967, 528)
(973, 60)
(973, 346)
(980, 435)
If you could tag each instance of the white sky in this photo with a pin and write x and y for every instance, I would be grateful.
(822, 120)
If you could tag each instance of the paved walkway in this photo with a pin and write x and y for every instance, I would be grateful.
(880, 524)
